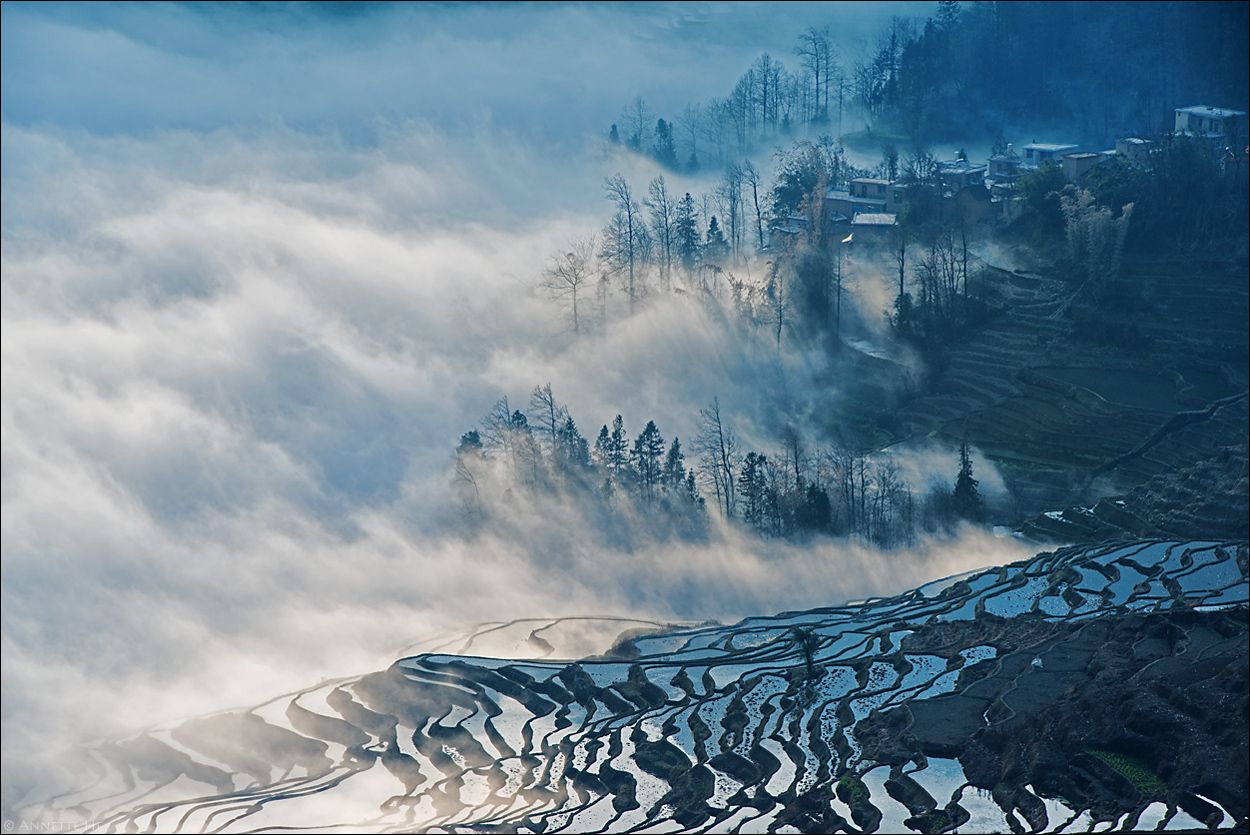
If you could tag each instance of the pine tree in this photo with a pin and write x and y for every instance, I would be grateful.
(947, 15)
(717, 248)
(603, 449)
(965, 498)
(469, 442)
(816, 511)
(687, 232)
(618, 450)
(692, 491)
(674, 468)
(751, 488)
(648, 449)
(665, 150)
(572, 452)
(469, 470)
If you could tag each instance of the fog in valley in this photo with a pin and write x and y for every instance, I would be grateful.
(264, 266)
(332, 330)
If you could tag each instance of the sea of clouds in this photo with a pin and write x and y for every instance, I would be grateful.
(263, 265)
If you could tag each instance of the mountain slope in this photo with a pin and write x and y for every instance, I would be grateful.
(1103, 683)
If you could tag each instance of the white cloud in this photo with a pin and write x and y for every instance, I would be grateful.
(237, 354)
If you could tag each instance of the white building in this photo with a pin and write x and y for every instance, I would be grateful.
(1215, 123)
(1134, 150)
(1076, 166)
(959, 174)
(1036, 153)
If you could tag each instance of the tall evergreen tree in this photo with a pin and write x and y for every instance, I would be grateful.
(603, 449)
(572, 452)
(665, 149)
(752, 486)
(618, 450)
(674, 468)
(692, 491)
(816, 512)
(647, 452)
(965, 498)
(686, 232)
(717, 248)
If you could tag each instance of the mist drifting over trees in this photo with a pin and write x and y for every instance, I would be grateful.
(328, 325)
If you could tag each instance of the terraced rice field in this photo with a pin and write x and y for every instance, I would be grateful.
(1066, 421)
(850, 718)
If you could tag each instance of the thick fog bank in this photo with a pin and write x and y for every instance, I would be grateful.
(230, 405)
(248, 311)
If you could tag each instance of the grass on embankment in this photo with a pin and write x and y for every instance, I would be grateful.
(1137, 772)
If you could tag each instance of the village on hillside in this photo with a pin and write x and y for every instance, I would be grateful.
(867, 210)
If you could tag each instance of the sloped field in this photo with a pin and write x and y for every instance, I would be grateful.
(943, 707)
(1158, 383)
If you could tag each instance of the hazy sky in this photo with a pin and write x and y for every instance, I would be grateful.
(546, 70)
(262, 266)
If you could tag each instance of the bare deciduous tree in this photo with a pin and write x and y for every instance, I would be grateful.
(815, 53)
(663, 227)
(751, 176)
(568, 275)
(548, 415)
(718, 451)
(638, 119)
(692, 127)
(623, 234)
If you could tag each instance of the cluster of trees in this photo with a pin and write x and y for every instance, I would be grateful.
(660, 242)
(1053, 62)
(768, 101)
(945, 299)
(968, 66)
(795, 491)
(664, 243)
(1189, 194)
(665, 232)
(521, 456)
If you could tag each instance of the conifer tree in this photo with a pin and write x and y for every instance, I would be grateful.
(692, 491)
(603, 449)
(647, 452)
(665, 149)
(674, 468)
(717, 248)
(686, 232)
(751, 487)
(618, 449)
(572, 452)
(965, 498)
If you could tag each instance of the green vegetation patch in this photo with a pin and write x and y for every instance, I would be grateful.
(931, 822)
(852, 791)
(1140, 774)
